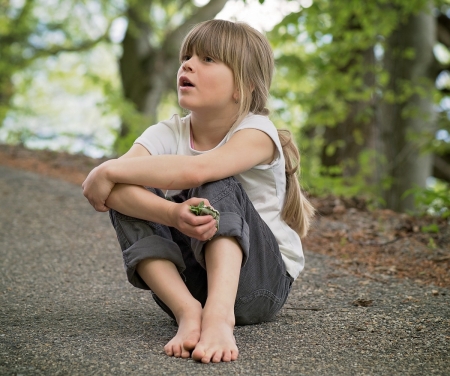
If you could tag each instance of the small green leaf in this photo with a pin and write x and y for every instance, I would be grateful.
(433, 228)
(201, 209)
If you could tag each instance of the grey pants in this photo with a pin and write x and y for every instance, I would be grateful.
(264, 284)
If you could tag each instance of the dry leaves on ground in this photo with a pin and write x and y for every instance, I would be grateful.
(381, 241)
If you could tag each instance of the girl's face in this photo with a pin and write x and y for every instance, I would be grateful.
(206, 85)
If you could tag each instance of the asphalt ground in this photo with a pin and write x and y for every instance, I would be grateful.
(67, 309)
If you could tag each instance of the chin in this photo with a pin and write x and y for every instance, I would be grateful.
(188, 106)
(183, 103)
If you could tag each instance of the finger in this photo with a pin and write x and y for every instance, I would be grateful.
(100, 207)
(200, 220)
(205, 233)
(207, 227)
(198, 200)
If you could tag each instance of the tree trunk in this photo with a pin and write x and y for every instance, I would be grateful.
(403, 120)
(148, 72)
(6, 94)
(355, 134)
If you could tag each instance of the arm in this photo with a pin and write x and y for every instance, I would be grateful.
(136, 201)
(246, 149)
(96, 185)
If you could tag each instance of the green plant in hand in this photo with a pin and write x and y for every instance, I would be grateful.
(201, 209)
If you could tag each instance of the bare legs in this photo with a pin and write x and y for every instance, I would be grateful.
(208, 333)
(223, 257)
(163, 279)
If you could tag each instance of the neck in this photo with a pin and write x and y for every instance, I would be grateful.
(207, 131)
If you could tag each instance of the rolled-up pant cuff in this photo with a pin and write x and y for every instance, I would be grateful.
(151, 247)
(233, 225)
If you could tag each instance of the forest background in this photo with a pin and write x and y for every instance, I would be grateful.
(363, 85)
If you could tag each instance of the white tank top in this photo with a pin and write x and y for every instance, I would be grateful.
(265, 185)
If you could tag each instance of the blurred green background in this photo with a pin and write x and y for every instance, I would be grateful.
(362, 84)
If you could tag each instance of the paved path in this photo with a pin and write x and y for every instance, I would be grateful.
(66, 309)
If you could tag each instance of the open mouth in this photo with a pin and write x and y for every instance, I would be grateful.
(184, 82)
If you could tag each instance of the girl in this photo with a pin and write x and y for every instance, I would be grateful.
(227, 153)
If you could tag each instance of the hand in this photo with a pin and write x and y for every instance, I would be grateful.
(199, 227)
(97, 187)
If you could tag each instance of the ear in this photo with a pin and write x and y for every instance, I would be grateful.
(236, 95)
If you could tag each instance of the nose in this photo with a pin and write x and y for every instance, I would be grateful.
(187, 66)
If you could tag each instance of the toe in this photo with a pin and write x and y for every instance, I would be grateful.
(168, 350)
(226, 356)
(177, 351)
(198, 354)
(190, 344)
(217, 357)
(185, 353)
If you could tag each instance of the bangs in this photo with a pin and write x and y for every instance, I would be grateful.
(244, 50)
(219, 40)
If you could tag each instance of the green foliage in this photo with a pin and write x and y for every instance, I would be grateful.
(324, 181)
(55, 100)
(431, 243)
(432, 228)
(322, 72)
(19, 136)
(432, 201)
(31, 30)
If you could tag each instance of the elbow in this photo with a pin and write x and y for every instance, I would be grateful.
(113, 200)
(194, 177)
(193, 173)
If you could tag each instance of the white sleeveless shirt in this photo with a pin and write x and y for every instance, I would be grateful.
(265, 185)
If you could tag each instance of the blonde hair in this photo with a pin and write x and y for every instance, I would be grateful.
(297, 210)
(248, 54)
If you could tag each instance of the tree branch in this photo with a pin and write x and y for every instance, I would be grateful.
(83, 46)
(26, 10)
(206, 12)
(441, 168)
(443, 30)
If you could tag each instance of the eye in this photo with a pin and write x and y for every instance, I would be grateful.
(185, 58)
(208, 59)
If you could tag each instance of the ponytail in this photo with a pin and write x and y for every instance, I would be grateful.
(297, 210)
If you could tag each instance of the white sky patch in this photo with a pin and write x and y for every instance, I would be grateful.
(262, 17)
(200, 3)
(118, 29)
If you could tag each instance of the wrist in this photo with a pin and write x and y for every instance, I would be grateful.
(170, 213)
(107, 170)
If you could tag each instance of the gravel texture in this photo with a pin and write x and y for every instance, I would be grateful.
(66, 308)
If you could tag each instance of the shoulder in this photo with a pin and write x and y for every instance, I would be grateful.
(261, 123)
(175, 123)
(253, 120)
(172, 126)
(163, 137)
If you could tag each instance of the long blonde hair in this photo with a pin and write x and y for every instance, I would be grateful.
(248, 54)
(297, 210)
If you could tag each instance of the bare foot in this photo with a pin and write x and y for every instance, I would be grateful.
(217, 342)
(188, 334)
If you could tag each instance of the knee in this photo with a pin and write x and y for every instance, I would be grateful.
(211, 189)
(228, 192)
(261, 306)
(129, 230)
